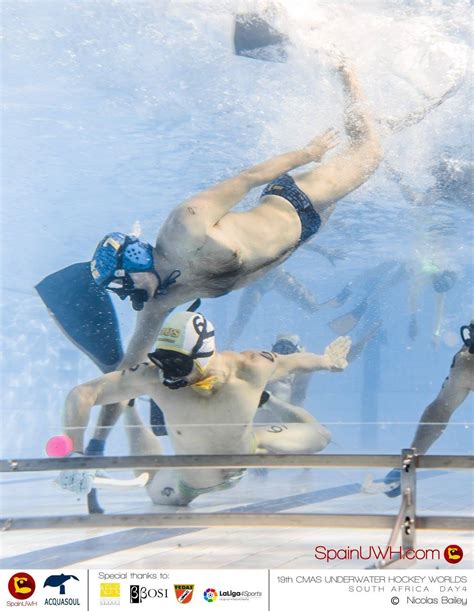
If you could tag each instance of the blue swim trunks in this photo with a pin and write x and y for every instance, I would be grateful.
(285, 186)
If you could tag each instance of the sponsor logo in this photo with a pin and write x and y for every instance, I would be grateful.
(110, 593)
(140, 593)
(210, 595)
(226, 595)
(184, 593)
(375, 552)
(58, 581)
(453, 554)
(21, 586)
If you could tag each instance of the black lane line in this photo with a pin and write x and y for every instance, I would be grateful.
(87, 549)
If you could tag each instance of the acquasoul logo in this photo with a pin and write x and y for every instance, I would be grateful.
(210, 595)
(58, 581)
(21, 586)
(453, 554)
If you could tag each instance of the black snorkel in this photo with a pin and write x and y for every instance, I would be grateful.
(139, 297)
(164, 285)
(467, 336)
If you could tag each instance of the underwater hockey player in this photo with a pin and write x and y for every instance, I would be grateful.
(209, 400)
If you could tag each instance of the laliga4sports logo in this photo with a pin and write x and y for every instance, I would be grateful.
(210, 595)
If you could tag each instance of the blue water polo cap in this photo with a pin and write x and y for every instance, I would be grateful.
(117, 255)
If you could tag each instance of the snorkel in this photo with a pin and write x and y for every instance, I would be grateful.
(116, 257)
(467, 336)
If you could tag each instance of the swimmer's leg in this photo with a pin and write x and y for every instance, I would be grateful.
(249, 300)
(167, 486)
(163, 485)
(357, 348)
(298, 432)
(330, 181)
(288, 286)
(108, 417)
(141, 440)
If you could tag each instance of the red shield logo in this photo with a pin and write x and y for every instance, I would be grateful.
(184, 593)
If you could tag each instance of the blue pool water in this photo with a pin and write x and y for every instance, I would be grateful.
(115, 112)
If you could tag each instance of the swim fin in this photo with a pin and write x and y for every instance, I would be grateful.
(357, 348)
(345, 323)
(340, 299)
(84, 312)
(254, 37)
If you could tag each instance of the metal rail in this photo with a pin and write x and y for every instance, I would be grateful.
(289, 461)
(231, 520)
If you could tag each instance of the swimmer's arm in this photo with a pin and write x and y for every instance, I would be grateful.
(356, 162)
(147, 326)
(211, 205)
(110, 388)
(249, 300)
(333, 359)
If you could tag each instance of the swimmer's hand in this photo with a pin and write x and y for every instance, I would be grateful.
(335, 355)
(319, 146)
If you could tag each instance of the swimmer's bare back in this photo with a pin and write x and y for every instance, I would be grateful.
(216, 251)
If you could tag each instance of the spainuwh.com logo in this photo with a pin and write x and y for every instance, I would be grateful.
(210, 595)
(453, 554)
(21, 586)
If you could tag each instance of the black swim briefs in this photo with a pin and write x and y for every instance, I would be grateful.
(285, 186)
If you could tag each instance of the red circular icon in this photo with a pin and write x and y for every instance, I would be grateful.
(21, 586)
(453, 554)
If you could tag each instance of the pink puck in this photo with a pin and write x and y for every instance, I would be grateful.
(59, 446)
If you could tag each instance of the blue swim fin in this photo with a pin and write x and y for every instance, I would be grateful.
(345, 323)
(85, 313)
